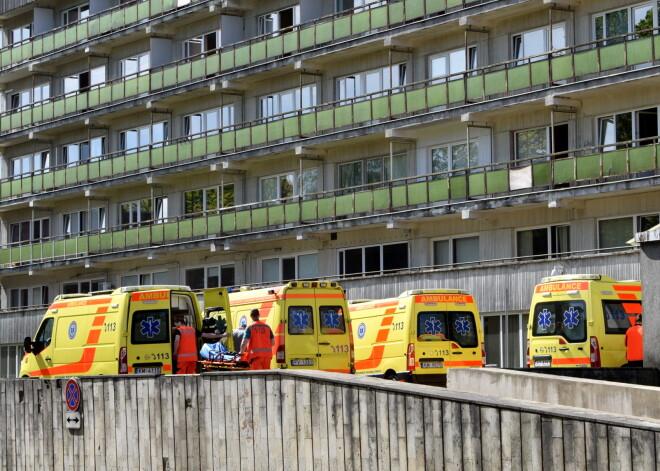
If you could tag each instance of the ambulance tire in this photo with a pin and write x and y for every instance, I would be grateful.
(391, 376)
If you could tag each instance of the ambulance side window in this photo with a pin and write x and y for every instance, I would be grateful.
(618, 315)
(462, 329)
(44, 336)
(300, 320)
(182, 306)
(150, 326)
(332, 320)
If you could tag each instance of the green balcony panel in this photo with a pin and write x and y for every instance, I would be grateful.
(94, 170)
(213, 224)
(415, 9)
(5, 256)
(38, 252)
(106, 241)
(143, 10)
(119, 163)
(399, 104)
(242, 56)
(228, 140)
(259, 134)
(5, 122)
(15, 120)
(37, 48)
(6, 189)
(212, 65)
(59, 39)
(518, 77)
(324, 33)
(344, 116)
(48, 111)
(586, 62)
(291, 127)
(37, 114)
(71, 247)
(24, 254)
(106, 168)
(81, 32)
(157, 232)
(364, 201)
(307, 124)
(48, 44)
(144, 159)
(639, 51)
(456, 91)
(379, 15)
(272, 131)
(59, 249)
(94, 98)
(362, 111)
(541, 174)
(457, 187)
(656, 46)
(144, 235)
(292, 213)
(93, 243)
(119, 240)
(477, 184)
(131, 87)
(117, 91)
(106, 25)
(642, 158)
(184, 73)
(615, 163)
(291, 41)
(564, 170)
(325, 120)
(497, 181)
(495, 82)
(562, 67)
(417, 193)
(275, 46)
(612, 57)
(130, 15)
(361, 22)
(16, 187)
(308, 37)
(475, 88)
(70, 105)
(342, 27)
(380, 108)
(183, 151)
(276, 215)
(229, 222)
(117, 19)
(308, 211)
(399, 196)
(243, 220)
(131, 163)
(49, 180)
(70, 35)
(344, 204)
(5, 57)
(185, 229)
(156, 80)
(454, 3)
(70, 175)
(199, 147)
(105, 95)
(157, 157)
(327, 208)
(381, 199)
(213, 144)
(169, 77)
(243, 138)
(199, 228)
(227, 61)
(259, 217)
(60, 178)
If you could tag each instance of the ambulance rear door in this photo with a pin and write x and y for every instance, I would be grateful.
(149, 349)
(334, 349)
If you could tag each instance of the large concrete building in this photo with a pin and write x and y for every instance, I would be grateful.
(390, 145)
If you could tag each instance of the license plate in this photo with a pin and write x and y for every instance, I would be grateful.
(302, 362)
(431, 364)
(152, 370)
(542, 363)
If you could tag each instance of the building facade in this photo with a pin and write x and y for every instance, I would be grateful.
(390, 145)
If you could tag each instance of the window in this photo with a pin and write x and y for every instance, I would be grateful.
(538, 243)
(371, 83)
(18, 298)
(451, 63)
(29, 231)
(287, 102)
(84, 221)
(134, 140)
(278, 186)
(150, 326)
(619, 315)
(23, 297)
(310, 181)
(211, 277)
(74, 14)
(458, 326)
(300, 320)
(626, 20)
(138, 65)
(20, 35)
(44, 335)
(537, 142)
(535, 42)
(209, 121)
(156, 278)
(461, 250)
(205, 43)
(141, 212)
(83, 286)
(616, 232)
(379, 169)
(22, 166)
(279, 20)
(27, 97)
(84, 81)
(332, 320)
(560, 318)
(205, 200)
(83, 151)
(616, 130)
(299, 267)
(454, 157)
(10, 359)
(373, 259)
(359, 5)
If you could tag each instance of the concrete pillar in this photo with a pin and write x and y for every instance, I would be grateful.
(650, 275)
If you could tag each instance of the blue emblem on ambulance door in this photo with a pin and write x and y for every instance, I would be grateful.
(301, 320)
(73, 329)
(150, 327)
(331, 319)
(571, 317)
(462, 326)
(544, 319)
(362, 329)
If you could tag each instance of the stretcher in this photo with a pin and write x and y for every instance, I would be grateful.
(216, 357)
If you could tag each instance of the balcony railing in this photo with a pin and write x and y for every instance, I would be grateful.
(420, 98)
(434, 191)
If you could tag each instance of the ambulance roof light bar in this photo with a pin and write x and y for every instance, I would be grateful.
(549, 279)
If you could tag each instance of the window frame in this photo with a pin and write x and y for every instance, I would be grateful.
(220, 197)
(630, 27)
(303, 99)
(636, 223)
(634, 129)
(360, 83)
(341, 259)
(141, 68)
(139, 133)
(387, 172)
(281, 259)
(473, 144)
(451, 250)
(552, 241)
(159, 211)
(518, 50)
(80, 14)
(275, 18)
(222, 114)
(471, 63)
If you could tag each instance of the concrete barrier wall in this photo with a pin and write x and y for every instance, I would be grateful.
(280, 420)
(605, 396)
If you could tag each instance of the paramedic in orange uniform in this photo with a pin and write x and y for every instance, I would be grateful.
(185, 346)
(635, 344)
(258, 341)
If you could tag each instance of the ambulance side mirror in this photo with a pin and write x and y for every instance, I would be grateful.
(27, 345)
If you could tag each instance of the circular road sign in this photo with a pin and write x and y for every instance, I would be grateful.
(72, 395)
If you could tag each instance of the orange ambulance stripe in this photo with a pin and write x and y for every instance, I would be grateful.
(627, 288)
(627, 296)
(102, 309)
(81, 366)
(571, 361)
(98, 321)
(379, 304)
(315, 296)
(338, 371)
(260, 299)
(632, 308)
(94, 336)
(465, 363)
(373, 361)
(80, 302)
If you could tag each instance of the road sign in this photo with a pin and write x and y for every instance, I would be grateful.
(72, 395)
(73, 420)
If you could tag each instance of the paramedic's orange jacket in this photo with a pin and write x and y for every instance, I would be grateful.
(259, 336)
(634, 344)
(187, 350)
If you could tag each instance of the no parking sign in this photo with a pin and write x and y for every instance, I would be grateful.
(72, 397)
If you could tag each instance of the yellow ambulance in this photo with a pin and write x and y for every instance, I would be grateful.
(417, 336)
(123, 331)
(581, 321)
(309, 321)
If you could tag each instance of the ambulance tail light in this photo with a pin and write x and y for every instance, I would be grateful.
(562, 341)
(411, 357)
(123, 361)
(529, 365)
(351, 344)
(483, 355)
(279, 354)
(594, 352)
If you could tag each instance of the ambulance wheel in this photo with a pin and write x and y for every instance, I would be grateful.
(391, 376)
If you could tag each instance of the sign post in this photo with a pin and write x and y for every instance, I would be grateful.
(73, 397)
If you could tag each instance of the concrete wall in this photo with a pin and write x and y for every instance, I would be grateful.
(604, 396)
(301, 421)
(650, 271)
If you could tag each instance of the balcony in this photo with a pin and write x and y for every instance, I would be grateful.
(425, 192)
